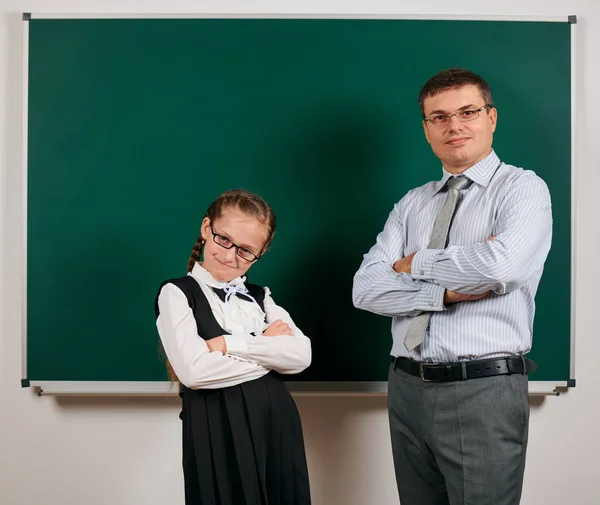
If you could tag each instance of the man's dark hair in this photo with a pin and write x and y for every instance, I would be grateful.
(454, 78)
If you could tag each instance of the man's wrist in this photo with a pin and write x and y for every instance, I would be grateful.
(422, 264)
(431, 297)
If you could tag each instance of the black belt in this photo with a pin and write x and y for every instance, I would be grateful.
(465, 370)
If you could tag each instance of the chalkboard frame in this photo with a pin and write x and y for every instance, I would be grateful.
(298, 388)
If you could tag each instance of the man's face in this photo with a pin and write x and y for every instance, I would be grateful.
(459, 145)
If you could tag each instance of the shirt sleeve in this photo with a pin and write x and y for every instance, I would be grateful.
(196, 367)
(380, 289)
(504, 264)
(286, 354)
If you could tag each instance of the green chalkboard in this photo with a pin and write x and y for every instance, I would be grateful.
(135, 125)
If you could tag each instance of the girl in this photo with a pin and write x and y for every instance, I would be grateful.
(242, 437)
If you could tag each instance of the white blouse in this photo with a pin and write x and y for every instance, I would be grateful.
(248, 357)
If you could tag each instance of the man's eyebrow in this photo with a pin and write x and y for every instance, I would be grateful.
(436, 111)
(440, 111)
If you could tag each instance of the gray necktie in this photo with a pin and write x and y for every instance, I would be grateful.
(418, 326)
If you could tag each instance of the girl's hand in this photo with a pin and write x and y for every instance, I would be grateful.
(277, 328)
(217, 344)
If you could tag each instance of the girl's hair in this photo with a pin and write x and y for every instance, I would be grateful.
(248, 203)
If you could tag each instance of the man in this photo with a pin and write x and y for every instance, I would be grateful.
(457, 266)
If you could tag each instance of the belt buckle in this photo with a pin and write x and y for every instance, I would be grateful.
(422, 371)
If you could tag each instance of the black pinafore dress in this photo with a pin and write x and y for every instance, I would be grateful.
(242, 445)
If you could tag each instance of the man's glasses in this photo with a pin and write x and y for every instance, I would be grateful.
(243, 252)
(462, 115)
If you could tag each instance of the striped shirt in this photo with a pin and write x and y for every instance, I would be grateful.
(511, 203)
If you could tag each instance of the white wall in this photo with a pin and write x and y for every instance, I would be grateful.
(126, 451)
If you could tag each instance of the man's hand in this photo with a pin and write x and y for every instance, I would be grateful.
(217, 344)
(404, 265)
(277, 328)
(454, 297)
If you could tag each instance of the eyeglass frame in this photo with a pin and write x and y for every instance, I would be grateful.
(237, 247)
(456, 113)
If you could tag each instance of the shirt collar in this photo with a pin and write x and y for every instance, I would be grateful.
(481, 173)
(201, 274)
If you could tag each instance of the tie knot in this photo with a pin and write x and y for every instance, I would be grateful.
(457, 183)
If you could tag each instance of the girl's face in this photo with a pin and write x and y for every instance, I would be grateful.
(243, 235)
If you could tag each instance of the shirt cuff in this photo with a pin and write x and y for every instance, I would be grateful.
(501, 289)
(431, 298)
(422, 264)
(236, 344)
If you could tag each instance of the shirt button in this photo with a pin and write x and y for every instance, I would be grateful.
(431, 304)
(422, 272)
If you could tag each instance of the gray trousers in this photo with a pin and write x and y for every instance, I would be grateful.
(459, 443)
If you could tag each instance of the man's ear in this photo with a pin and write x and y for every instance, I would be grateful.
(493, 118)
(426, 131)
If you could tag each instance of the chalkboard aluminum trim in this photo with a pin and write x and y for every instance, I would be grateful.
(270, 15)
(24, 147)
(371, 387)
(573, 199)
(115, 388)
